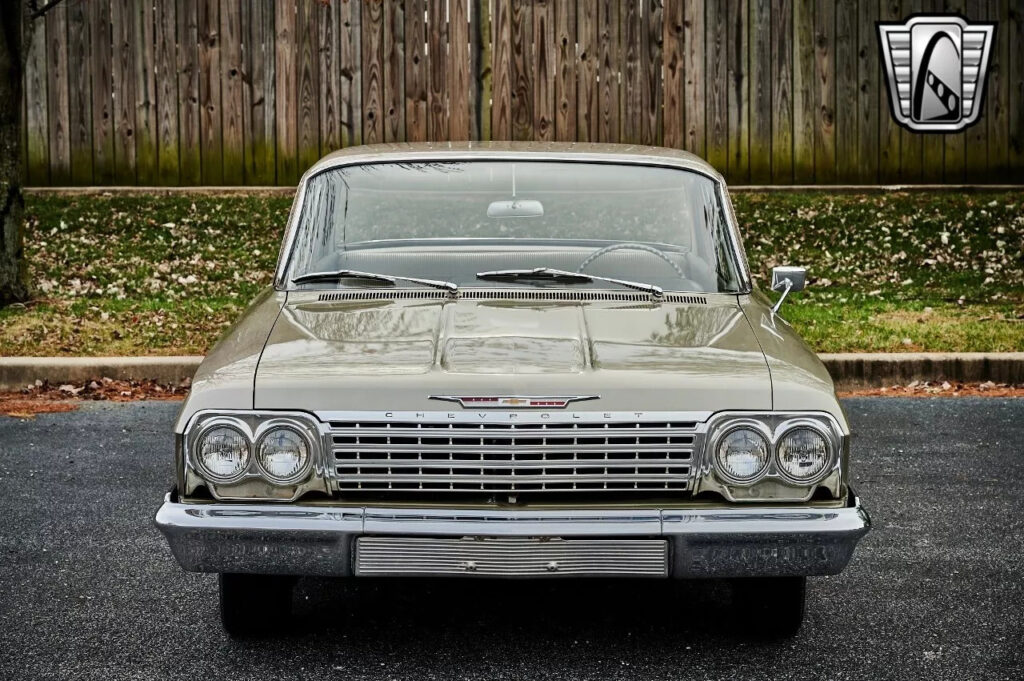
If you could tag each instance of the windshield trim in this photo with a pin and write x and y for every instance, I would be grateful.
(282, 276)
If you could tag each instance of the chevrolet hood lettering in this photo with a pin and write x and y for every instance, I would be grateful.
(513, 401)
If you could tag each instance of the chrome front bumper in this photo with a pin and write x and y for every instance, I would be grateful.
(320, 540)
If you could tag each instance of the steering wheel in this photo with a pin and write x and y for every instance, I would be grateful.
(633, 247)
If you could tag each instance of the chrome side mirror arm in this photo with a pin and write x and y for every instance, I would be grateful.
(787, 279)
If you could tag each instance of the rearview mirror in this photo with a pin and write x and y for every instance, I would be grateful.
(787, 279)
(515, 209)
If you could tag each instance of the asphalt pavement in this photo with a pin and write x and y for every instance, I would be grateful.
(89, 590)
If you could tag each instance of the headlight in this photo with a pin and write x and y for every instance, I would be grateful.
(283, 455)
(742, 454)
(802, 454)
(223, 453)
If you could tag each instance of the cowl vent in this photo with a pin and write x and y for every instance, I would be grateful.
(513, 294)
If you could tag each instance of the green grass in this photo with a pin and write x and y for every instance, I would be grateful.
(887, 272)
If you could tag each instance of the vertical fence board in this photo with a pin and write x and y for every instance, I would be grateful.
(79, 94)
(189, 165)
(803, 91)
(167, 100)
(997, 95)
(57, 94)
(501, 106)
(693, 92)
(458, 70)
(373, 75)
(869, 104)
(586, 73)
(144, 18)
(211, 133)
(651, 71)
(889, 129)
(632, 79)
(760, 91)
(522, 70)
(122, 23)
(37, 152)
(350, 27)
(286, 91)
(479, 70)
(846, 91)
(309, 100)
(394, 71)
(825, 91)
(565, 70)
(738, 168)
(437, 49)
(544, 83)
(674, 48)
(608, 84)
(782, 91)
(1014, 31)
(231, 91)
(330, 75)
(716, 69)
(258, 92)
(415, 71)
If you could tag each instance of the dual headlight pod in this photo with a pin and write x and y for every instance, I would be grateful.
(227, 450)
(801, 451)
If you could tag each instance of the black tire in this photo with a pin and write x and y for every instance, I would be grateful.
(254, 605)
(770, 607)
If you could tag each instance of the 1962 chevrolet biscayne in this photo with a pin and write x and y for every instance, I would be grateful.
(513, 360)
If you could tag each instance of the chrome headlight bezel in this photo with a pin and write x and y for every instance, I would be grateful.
(807, 424)
(284, 424)
(202, 432)
(254, 483)
(742, 424)
(773, 483)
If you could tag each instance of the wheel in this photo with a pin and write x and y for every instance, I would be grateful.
(630, 246)
(770, 607)
(251, 605)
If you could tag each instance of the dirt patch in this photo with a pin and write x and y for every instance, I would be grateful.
(43, 398)
(940, 389)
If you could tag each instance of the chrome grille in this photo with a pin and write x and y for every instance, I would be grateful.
(507, 457)
(511, 557)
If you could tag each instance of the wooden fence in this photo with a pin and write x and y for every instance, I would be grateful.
(223, 92)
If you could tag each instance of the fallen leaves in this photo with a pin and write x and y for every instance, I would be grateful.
(43, 398)
(940, 389)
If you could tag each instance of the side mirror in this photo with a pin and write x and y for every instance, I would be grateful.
(787, 279)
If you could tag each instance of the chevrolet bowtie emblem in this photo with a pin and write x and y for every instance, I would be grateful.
(514, 401)
(936, 66)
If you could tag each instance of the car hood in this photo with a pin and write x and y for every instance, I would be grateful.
(394, 354)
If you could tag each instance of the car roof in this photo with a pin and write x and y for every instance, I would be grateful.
(581, 151)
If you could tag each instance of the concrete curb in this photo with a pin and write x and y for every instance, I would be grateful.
(871, 370)
(18, 372)
(850, 371)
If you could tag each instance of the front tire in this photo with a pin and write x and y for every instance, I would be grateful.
(251, 605)
(770, 607)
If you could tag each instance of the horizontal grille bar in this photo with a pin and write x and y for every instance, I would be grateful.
(511, 557)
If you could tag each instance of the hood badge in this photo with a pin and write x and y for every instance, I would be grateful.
(514, 401)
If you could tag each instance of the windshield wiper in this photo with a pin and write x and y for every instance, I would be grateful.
(392, 279)
(566, 277)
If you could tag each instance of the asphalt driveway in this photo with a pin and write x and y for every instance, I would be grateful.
(89, 590)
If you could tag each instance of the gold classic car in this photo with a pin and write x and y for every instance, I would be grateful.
(501, 360)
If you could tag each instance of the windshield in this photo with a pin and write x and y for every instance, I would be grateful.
(451, 220)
